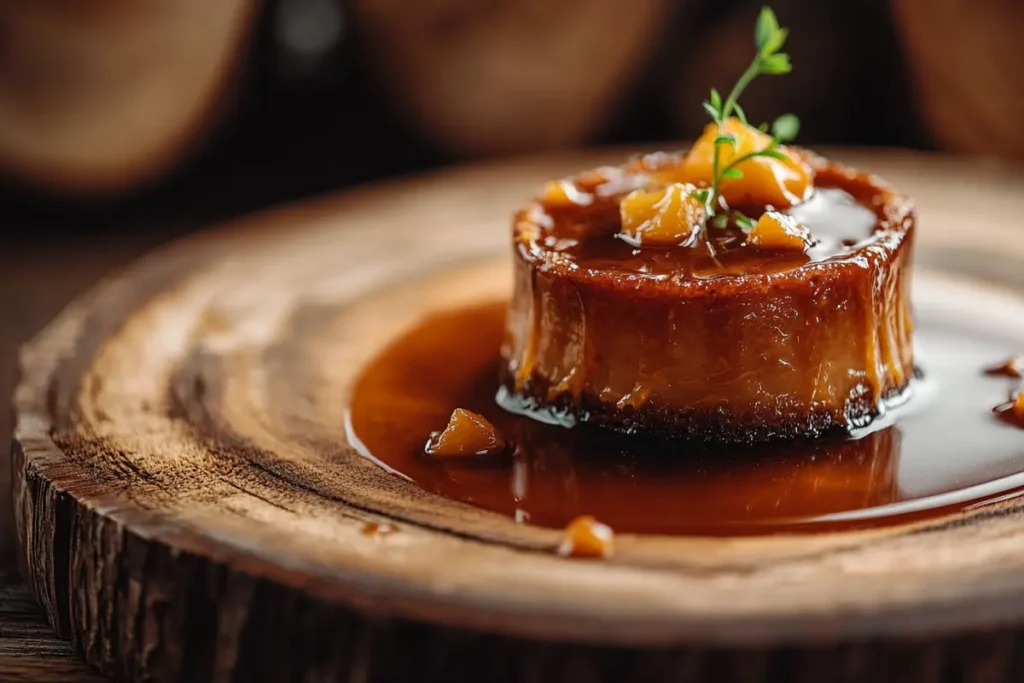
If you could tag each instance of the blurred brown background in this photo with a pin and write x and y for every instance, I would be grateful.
(118, 113)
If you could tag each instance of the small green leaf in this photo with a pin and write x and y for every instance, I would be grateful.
(739, 112)
(716, 99)
(732, 173)
(711, 110)
(786, 127)
(720, 220)
(763, 128)
(775, 65)
(745, 223)
(727, 139)
(701, 195)
(775, 42)
(767, 25)
(774, 154)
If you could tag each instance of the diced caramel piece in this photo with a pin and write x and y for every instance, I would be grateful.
(1014, 367)
(1013, 410)
(586, 537)
(777, 231)
(466, 434)
(666, 217)
(766, 181)
(575, 191)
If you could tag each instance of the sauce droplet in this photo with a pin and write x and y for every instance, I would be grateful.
(379, 529)
(1014, 367)
(586, 537)
(467, 433)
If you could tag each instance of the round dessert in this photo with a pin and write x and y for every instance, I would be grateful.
(636, 308)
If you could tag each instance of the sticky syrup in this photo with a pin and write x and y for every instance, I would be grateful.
(946, 451)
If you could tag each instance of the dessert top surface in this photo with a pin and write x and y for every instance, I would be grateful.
(576, 227)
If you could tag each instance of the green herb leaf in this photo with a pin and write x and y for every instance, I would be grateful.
(763, 127)
(786, 127)
(769, 38)
(775, 42)
(716, 99)
(775, 65)
(745, 223)
(766, 27)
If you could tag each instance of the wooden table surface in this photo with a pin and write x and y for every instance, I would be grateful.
(63, 249)
(33, 288)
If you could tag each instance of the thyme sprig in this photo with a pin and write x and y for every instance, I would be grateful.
(769, 39)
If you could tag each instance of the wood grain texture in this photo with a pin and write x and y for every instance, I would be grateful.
(189, 508)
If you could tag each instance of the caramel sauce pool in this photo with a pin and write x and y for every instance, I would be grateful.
(947, 451)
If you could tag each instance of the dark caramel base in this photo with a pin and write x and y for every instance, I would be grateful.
(777, 423)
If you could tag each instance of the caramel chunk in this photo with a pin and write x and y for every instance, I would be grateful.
(777, 231)
(467, 433)
(1013, 410)
(670, 216)
(586, 537)
(1014, 367)
(766, 181)
(579, 190)
(564, 194)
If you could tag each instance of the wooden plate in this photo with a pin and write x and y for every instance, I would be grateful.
(189, 508)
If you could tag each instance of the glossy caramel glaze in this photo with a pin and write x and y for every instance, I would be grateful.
(930, 461)
(740, 345)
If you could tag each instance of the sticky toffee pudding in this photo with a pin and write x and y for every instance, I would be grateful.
(781, 331)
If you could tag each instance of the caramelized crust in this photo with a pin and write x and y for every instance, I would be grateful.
(741, 356)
